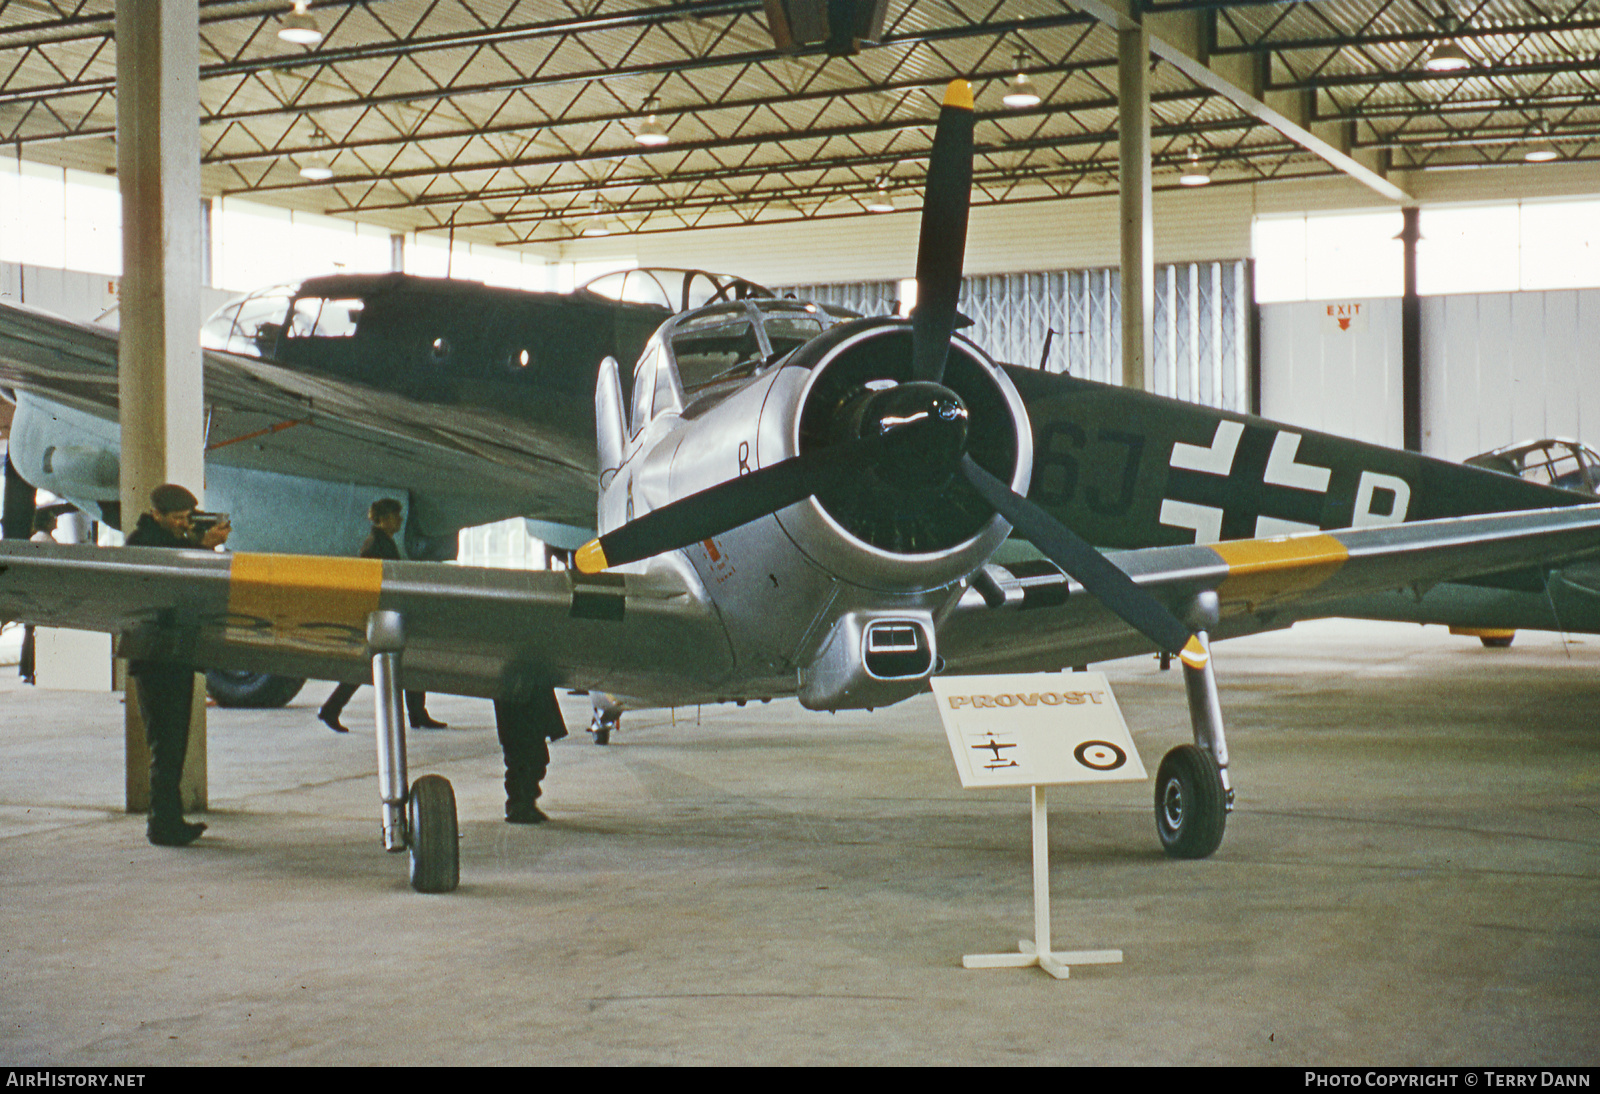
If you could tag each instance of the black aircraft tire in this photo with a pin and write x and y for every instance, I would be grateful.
(252, 689)
(1496, 641)
(435, 846)
(1191, 806)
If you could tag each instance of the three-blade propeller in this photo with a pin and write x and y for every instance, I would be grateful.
(920, 429)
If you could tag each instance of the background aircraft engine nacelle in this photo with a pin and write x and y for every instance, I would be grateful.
(907, 522)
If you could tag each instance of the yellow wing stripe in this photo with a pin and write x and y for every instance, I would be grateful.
(305, 598)
(1264, 570)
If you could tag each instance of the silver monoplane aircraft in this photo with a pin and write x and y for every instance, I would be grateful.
(795, 503)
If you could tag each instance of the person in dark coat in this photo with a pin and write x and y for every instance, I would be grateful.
(166, 690)
(386, 515)
(526, 727)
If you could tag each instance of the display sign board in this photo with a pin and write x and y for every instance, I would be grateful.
(1036, 729)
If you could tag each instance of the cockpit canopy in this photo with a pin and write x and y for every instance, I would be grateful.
(697, 359)
(673, 289)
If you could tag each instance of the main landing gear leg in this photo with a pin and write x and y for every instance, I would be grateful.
(421, 820)
(1193, 793)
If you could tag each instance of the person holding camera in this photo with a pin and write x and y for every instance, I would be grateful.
(166, 690)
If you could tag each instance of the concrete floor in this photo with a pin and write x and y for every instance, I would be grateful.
(1411, 877)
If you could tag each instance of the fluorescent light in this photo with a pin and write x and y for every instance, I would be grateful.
(300, 26)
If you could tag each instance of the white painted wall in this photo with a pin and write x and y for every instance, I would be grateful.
(82, 297)
(1505, 367)
(1497, 368)
(1342, 381)
(1191, 226)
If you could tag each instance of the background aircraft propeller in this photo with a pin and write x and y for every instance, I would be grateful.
(912, 436)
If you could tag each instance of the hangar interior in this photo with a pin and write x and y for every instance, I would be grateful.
(536, 144)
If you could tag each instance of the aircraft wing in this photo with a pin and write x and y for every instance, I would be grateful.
(1032, 618)
(263, 416)
(491, 633)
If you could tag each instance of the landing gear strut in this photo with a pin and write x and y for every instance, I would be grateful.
(1193, 793)
(420, 819)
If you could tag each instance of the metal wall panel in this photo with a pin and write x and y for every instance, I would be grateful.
(1497, 368)
(1201, 351)
(1341, 380)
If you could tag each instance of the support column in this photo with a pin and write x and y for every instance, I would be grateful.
(1137, 221)
(158, 350)
(1411, 335)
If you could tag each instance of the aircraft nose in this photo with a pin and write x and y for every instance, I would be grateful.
(924, 429)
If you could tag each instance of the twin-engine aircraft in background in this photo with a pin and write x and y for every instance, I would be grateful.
(471, 404)
(793, 502)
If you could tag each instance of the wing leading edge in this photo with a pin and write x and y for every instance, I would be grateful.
(1031, 619)
(492, 633)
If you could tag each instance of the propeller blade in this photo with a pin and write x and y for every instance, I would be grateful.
(1099, 577)
(941, 249)
(727, 505)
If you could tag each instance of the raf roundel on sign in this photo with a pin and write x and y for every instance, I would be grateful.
(1100, 755)
(1035, 729)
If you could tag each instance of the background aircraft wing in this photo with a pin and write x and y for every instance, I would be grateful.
(470, 631)
(263, 416)
(1030, 617)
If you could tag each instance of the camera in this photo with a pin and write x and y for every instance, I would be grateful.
(201, 522)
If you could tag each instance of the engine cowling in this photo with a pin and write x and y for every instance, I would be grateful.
(908, 522)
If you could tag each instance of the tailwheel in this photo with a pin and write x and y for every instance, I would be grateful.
(1191, 805)
(434, 845)
(605, 720)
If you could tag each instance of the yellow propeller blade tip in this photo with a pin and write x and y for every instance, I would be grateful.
(591, 559)
(1194, 654)
(958, 95)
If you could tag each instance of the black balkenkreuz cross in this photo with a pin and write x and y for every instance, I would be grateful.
(1243, 494)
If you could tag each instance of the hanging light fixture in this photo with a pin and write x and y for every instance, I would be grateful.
(1540, 150)
(598, 223)
(1194, 172)
(881, 201)
(314, 165)
(651, 134)
(300, 26)
(1020, 93)
(1448, 56)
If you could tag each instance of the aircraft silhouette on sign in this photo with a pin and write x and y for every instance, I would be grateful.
(794, 502)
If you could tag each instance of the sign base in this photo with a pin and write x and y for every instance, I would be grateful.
(1038, 952)
(1057, 964)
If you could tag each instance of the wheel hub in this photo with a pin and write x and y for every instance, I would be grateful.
(1172, 804)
